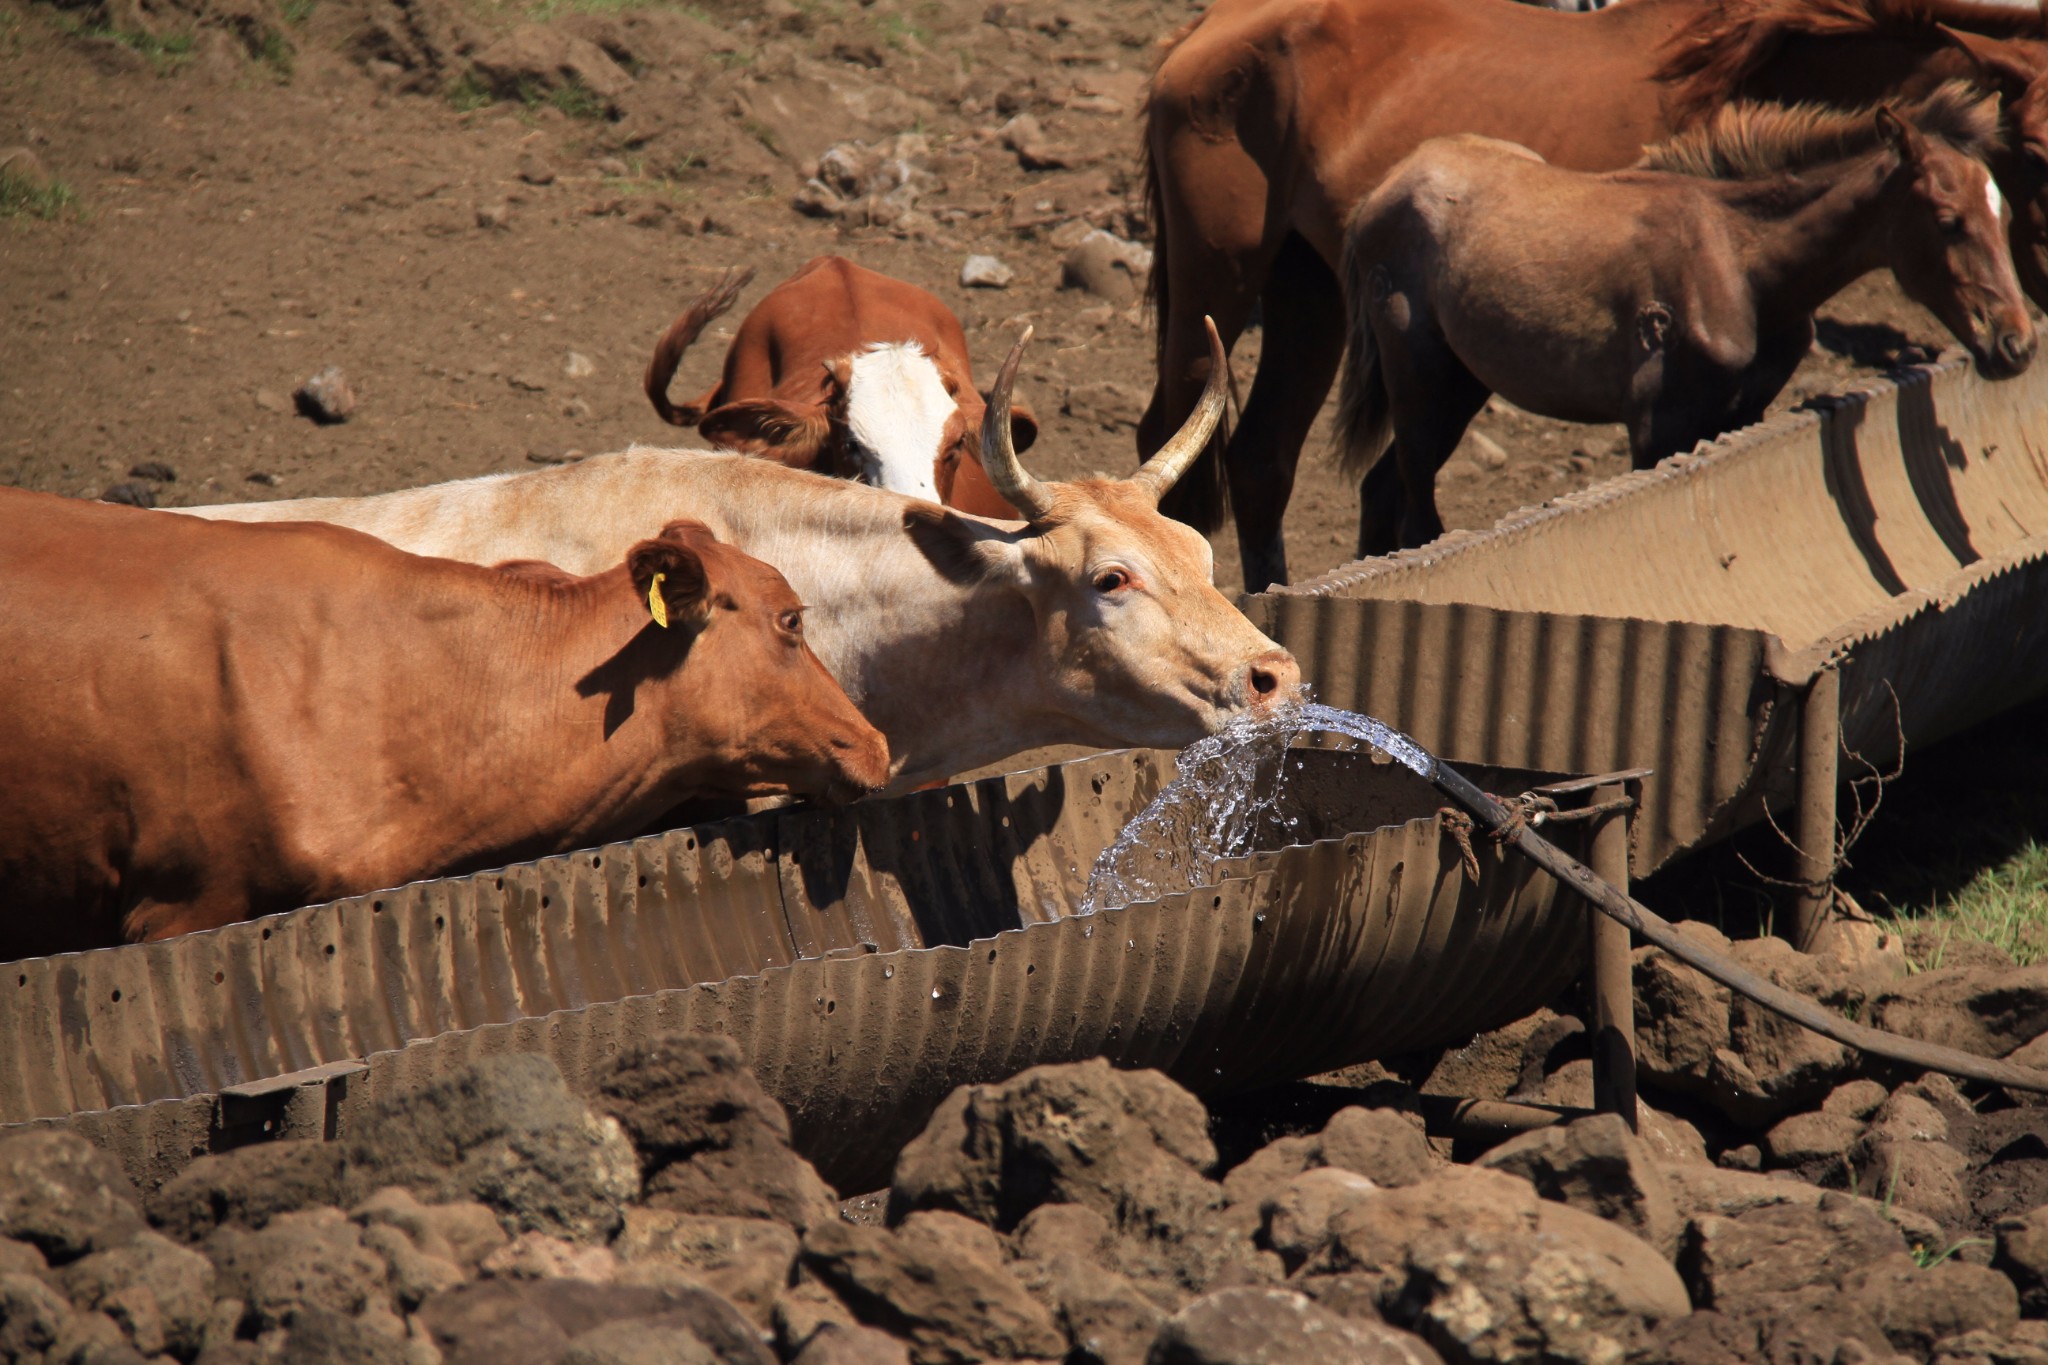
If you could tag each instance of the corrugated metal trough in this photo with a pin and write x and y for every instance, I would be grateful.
(1888, 545)
(868, 961)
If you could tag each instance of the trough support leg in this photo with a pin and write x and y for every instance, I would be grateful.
(1611, 1020)
(1820, 736)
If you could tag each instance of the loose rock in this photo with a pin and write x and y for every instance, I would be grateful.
(537, 58)
(327, 397)
(1106, 266)
(938, 1281)
(131, 494)
(985, 272)
(710, 1140)
(1597, 1165)
(1278, 1327)
(63, 1196)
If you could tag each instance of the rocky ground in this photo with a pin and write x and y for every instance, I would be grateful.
(1785, 1201)
(485, 221)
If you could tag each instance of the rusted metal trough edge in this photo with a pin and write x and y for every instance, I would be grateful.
(1203, 984)
(1524, 521)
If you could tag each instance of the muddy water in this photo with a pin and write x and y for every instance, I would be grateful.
(1229, 800)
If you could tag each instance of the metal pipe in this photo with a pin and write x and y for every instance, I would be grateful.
(1490, 1122)
(1820, 737)
(1497, 821)
(1610, 988)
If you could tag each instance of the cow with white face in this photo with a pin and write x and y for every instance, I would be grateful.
(846, 372)
(963, 639)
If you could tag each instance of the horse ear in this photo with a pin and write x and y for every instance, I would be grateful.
(1895, 133)
(780, 431)
(2003, 63)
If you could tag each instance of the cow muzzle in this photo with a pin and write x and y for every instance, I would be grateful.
(1268, 680)
(860, 767)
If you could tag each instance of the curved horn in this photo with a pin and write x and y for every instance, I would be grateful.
(999, 455)
(1164, 469)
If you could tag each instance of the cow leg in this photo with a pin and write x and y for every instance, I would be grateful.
(1304, 340)
(1432, 398)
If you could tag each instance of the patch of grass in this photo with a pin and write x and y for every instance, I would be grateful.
(762, 134)
(470, 94)
(901, 33)
(575, 99)
(166, 53)
(2004, 904)
(19, 198)
(1926, 1257)
(275, 53)
(297, 12)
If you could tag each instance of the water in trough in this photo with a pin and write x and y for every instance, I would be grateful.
(1227, 801)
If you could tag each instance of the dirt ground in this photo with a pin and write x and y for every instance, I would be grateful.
(263, 190)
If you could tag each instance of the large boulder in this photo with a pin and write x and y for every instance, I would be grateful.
(248, 1186)
(1988, 1011)
(1597, 1165)
(1066, 1256)
(64, 1196)
(311, 1259)
(157, 1291)
(534, 1322)
(1916, 1306)
(1131, 1145)
(1484, 1270)
(508, 1133)
(1736, 1264)
(748, 1260)
(1264, 1326)
(939, 1282)
(1695, 1037)
(710, 1140)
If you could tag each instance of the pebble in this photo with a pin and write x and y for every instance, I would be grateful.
(490, 216)
(327, 397)
(131, 495)
(985, 272)
(1486, 451)
(578, 366)
(156, 470)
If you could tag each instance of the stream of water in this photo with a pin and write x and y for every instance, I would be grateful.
(1228, 793)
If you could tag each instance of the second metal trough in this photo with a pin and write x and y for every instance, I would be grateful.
(1830, 582)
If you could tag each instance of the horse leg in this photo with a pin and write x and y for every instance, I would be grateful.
(1379, 507)
(1218, 228)
(1432, 398)
(1304, 339)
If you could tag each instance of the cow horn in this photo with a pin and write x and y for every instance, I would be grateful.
(999, 455)
(1164, 469)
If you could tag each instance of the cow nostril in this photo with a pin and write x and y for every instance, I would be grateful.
(2014, 347)
(1265, 682)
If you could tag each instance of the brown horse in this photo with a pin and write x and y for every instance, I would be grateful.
(1677, 298)
(1269, 119)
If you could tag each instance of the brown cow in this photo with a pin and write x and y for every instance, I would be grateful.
(848, 372)
(202, 721)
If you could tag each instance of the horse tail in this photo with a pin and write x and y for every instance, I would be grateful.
(668, 352)
(1201, 496)
(1364, 416)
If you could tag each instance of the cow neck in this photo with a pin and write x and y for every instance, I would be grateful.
(530, 758)
(939, 667)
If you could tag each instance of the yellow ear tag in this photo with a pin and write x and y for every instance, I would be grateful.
(657, 607)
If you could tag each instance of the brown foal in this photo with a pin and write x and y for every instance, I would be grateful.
(1269, 120)
(1676, 298)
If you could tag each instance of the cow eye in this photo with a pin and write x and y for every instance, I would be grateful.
(792, 621)
(1112, 580)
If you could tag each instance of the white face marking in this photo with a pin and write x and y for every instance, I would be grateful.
(1993, 197)
(896, 411)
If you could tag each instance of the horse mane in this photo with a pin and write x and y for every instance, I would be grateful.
(1749, 141)
(1729, 40)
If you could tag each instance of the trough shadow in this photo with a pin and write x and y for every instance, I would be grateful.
(1842, 468)
(1873, 345)
(1933, 458)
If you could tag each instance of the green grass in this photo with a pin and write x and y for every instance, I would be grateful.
(575, 99)
(2004, 904)
(277, 55)
(470, 94)
(166, 53)
(297, 12)
(901, 33)
(21, 199)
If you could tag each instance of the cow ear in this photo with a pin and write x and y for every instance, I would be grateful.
(1023, 425)
(669, 580)
(962, 551)
(769, 427)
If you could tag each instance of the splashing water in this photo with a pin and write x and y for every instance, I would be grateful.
(1228, 793)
